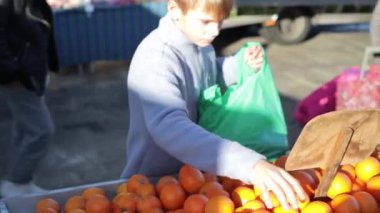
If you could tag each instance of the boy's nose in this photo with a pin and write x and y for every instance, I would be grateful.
(214, 29)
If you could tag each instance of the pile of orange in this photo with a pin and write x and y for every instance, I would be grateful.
(91, 200)
(355, 189)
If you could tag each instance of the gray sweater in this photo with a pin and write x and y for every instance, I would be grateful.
(166, 76)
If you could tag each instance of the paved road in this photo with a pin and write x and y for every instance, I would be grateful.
(91, 113)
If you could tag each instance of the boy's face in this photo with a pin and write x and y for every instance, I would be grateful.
(200, 27)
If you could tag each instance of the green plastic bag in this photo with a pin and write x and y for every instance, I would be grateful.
(249, 112)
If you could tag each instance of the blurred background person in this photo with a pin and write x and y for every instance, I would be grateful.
(27, 52)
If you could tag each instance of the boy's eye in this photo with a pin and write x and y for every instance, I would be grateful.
(207, 22)
(204, 22)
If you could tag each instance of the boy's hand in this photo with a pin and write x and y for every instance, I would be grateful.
(254, 57)
(267, 177)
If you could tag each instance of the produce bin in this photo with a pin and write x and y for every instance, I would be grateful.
(26, 204)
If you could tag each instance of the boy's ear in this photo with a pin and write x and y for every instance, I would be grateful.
(173, 10)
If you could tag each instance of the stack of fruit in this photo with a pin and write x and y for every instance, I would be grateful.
(355, 189)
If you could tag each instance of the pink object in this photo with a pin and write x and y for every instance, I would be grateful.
(320, 101)
(356, 93)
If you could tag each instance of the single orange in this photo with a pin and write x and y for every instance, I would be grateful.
(122, 188)
(146, 189)
(75, 202)
(222, 178)
(210, 177)
(172, 196)
(152, 210)
(314, 173)
(279, 209)
(281, 161)
(349, 170)
(253, 205)
(163, 181)
(177, 211)
(126, 202)
(373, 187)
(220, 204)
(47, 203)
(49, 210)
(366, 201)
(76, 211)
(206, 187)
(148, 202)
(215, 192)
(191, 179)
(195, 203)
(238, 183)
(135, 181)
(317, 207)
(345, 203)
(98, 204)
(259, 211)
(340, 184)
(241, 210)
(91, 191)
(368, 168)
(228, 184)
(276, 203)
(273, 198)
(257, 191)
(358, 185)
(303, 203)
(242, 195)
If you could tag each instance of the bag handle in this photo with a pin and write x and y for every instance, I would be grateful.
(369, 51)
(246, 70)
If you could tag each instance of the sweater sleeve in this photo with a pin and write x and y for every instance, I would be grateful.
(226, 67)
(156, 79)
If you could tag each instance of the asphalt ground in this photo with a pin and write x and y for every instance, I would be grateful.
(90, 109)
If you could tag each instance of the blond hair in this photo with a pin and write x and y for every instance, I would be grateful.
(219, 8)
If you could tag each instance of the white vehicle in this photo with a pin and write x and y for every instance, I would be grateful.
(290, 21)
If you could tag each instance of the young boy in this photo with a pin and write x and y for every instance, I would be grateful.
(168, 71)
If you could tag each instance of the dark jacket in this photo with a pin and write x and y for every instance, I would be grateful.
(26, 36)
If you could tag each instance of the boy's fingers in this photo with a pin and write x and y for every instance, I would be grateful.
(254, 66)
(278, 191)
(280, 195)
(249, 52)
(257, 63)
(283, 190)
(257, 52)
(257, 58)
(253, 51)
(255, 55)
(266, 198)
(296, 186)
(258, 180)
(287, 195)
